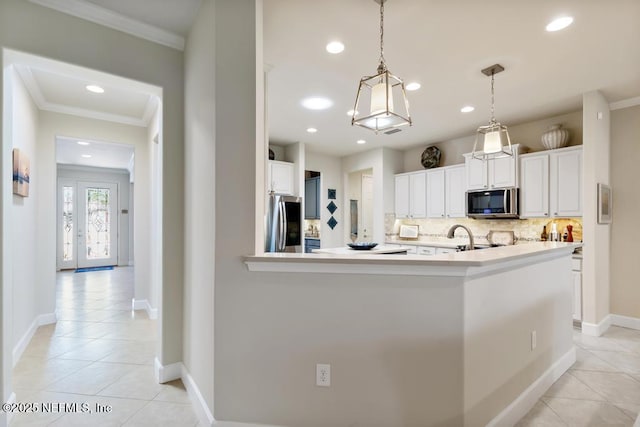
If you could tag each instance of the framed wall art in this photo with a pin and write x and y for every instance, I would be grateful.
(604, 204)
(21, 173)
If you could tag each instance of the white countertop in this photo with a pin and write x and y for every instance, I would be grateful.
(437, 242)
(454, 263)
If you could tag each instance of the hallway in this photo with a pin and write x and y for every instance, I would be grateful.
(99, 353)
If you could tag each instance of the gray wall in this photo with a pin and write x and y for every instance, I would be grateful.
(200, 215)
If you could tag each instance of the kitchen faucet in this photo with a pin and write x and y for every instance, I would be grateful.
(453, 229)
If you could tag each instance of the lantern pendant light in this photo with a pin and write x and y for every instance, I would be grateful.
(494, 136)
(375, 107)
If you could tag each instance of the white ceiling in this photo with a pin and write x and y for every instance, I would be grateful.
(443, 45)
(103, 154)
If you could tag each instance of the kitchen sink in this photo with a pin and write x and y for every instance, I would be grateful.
(463, 248)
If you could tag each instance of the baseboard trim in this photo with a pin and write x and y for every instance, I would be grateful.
(143, 304)
(528, 398)
(174, 371)
(596, 330)
(625, 321)
(166, 373)
(21, 346)
(202, 410)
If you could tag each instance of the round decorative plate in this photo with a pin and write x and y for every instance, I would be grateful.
(430, 157)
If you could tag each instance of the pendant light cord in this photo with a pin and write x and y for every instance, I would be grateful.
(493, 117)
(382, 66)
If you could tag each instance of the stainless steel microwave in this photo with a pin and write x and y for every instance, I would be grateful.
(496, 203)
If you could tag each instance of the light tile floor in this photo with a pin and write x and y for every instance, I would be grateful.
(100, 353)
(601, 389)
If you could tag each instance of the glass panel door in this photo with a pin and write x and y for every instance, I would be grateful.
(97, 224)
(67, 241)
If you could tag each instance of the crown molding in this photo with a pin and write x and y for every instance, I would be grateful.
(625, 103)
(99, 15)
(91, 114)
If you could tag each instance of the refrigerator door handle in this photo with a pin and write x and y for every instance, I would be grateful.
(283, 227)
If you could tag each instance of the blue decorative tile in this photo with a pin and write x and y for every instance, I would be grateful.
(332, 222)
(332, 194)
(332, 207)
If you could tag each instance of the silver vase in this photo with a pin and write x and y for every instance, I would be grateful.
(555, 137)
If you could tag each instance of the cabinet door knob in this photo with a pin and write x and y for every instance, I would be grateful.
(545, 214)
(555, 213)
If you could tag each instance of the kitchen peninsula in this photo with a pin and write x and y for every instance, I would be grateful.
(469, 338)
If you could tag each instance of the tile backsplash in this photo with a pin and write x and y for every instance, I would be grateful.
(524, 229)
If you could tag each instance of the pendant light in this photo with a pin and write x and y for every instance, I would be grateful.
(381, 102)
(494, 136)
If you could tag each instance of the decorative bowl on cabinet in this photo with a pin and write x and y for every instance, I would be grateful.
(555, 137)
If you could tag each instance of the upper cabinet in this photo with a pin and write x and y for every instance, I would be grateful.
(411, 195)
(280, 179)
(551, 183)
(494, 173)
(312, 198)
(455, 190)
(435, 193)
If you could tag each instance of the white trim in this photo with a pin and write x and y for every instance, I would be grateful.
(625, 103)
(92, 114)
(528, 398)
(236, 424)
(625, 321)
(21, 346)
(143, 304)
(176, 371)
(595, 330)
(199, 404)
(166, 373)
(108, 18)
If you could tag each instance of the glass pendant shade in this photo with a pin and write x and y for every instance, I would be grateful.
(381, 103)
(492, 142)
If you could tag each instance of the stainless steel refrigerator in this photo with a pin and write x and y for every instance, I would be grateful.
(284, 224)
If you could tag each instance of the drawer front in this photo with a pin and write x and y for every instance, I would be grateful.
(444, 250)
(412, 250)
(576, 264)
(426, 250)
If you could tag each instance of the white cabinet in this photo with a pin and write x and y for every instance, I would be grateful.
(444, 251)
(551, 183)
(566, 182)
(534, 186)
(426, 250)
(435, 193)
(576, 274)
(411, 195)
(455, 191)
(493, 173)
(280, 177)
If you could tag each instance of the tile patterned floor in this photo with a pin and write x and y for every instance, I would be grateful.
(99, 352)
(601, 389)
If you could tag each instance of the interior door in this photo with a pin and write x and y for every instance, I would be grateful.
(67, 253)
(97, 229)
(367, 208)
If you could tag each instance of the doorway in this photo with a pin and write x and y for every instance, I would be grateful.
(87, 224)
(360, 193)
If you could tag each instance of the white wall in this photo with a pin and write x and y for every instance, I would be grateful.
(596, 252)
(27, 27)
(330, 169)
(154, 144)
(200, 215)
(30, 293)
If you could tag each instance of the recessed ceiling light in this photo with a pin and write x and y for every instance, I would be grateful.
(559, 23)
(83, 143)
(467, 109)
(350, 112)
(86, 156)
(335, 47)
(317, 103)
(312, 130)
(413, 86)
(94, 89)
(361, 141)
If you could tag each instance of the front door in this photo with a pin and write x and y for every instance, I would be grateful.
(88, 224)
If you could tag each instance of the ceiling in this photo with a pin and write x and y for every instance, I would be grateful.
(443, 45)
(103, 154)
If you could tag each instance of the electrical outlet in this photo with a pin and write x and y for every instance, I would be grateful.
(534, 340)
(323, 375)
